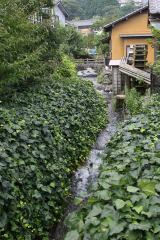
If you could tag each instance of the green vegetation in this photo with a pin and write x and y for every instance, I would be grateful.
(133, 101)
(49, 120)
(31, 52)
(28, 51)
(107, 10)
(124, 203)
(96, 41)
(45, 134)
(156, 34)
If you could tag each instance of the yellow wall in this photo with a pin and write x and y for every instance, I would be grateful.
(137, 24)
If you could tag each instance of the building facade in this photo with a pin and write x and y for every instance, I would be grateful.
(83, 26)
(59, 13)
(132, 29)
(56, 14)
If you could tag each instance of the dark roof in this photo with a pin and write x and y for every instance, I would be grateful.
(82, 23)
(62, 8)
(112, 24)
(154, 6)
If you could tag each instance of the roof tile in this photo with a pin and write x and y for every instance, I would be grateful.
(154, 6)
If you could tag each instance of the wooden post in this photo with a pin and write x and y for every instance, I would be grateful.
(116, 79)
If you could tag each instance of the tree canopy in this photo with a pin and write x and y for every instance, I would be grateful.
(85, 9)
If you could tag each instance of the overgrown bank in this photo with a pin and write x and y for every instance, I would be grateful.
(45, 134)
(124, 203)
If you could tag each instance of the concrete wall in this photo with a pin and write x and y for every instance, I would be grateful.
(137, 24)
(59, 13)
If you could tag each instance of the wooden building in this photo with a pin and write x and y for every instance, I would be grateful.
(83, 26)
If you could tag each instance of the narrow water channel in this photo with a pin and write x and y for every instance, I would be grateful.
(88, 173)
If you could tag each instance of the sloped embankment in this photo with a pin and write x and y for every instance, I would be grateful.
(125, 201)
(45, 134)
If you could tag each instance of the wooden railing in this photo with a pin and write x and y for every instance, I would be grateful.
(88, 61)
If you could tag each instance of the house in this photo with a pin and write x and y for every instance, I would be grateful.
(83, 26)
(130, 30)
(130, 49)
(56, 14)
(59, 13)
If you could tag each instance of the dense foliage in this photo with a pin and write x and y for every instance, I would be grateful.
(24, 46)
(44, 135)
(156, 44)
(86, 9)
(108, 10)
(133, 101)
(125, 202)
(47, 126)
(31, 52)
(71, 42)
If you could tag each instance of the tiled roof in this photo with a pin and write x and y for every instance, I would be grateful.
(82, 23)
(154, 6)
(62, 8)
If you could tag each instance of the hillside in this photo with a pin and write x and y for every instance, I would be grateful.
(85, 9)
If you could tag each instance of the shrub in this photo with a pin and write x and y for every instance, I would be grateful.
(66, 69)
(45, 134)
(133, 101)
(124, 203)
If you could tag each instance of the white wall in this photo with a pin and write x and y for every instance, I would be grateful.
(60, 14)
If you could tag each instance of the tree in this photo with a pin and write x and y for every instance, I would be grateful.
(23, 44)
(29, 52)
(156, 43)
(74, 8)
(86, 9)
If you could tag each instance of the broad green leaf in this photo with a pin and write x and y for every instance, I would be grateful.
(72, 235)
(132, 189)
(103, 195)
(157, 229)
(150, 236)
(140, 226)
(138, 209)
(119, 203)
(116, 228)
(147, 186)
(95, 211)
(157, 187)
(92, 220)
(52, 184)
(78, 200)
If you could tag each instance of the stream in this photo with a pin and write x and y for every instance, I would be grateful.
(88, 173)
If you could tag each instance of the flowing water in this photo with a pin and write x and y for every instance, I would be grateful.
(88, 173)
